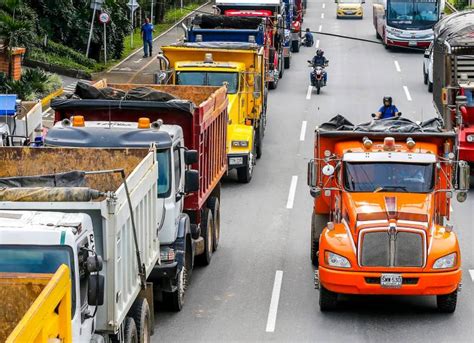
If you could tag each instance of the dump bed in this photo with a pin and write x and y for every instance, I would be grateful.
(109, 212)
(35, 307)
(200, 111)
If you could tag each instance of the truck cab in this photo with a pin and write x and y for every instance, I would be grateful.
(240, 66)
(175, 233)
(49, 240)
(381, 214)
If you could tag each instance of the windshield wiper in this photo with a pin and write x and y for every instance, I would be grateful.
(389, 188)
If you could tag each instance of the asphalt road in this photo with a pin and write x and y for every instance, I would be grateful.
(265, 235)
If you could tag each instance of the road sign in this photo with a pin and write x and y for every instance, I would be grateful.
(104, 18)
(97, 4)
(133, 5)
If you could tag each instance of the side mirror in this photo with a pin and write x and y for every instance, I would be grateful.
(191, 181)
(95, 290)
(464, 174)
(312, 173)
(190, 157)
(426, 54)
(94, 264)
(256, 95)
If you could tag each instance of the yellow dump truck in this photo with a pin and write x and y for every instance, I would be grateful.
(35, 307)
(241, 66)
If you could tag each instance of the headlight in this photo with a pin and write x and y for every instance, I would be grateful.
(444, 262)
(240, 144)
(470, 138)
(167, 254)
(335, 260)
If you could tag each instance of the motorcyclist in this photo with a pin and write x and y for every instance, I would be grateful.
(388, 110)
(308, 38)
(320, 60)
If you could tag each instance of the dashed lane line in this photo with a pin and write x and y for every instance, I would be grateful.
(317, 44)
(324, 5)
(397, 66)
(139, 60)
(272, 312)
(322, 15)
(303, 130)
(471, 272)
(320, 28)
(291, 193)
(308, 93)
(407, 93)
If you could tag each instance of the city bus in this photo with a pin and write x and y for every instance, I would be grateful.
(406, 23)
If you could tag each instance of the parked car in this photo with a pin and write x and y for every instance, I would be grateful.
(428, 68)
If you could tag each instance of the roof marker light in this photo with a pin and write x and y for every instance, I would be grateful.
(208, 58)
(389, 144)
(143, 123)
(78, 121)
(367, 142)
(410, 143)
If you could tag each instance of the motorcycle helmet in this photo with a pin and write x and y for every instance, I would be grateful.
(387, 99)
(319, 52)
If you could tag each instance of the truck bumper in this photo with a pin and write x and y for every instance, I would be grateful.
(350, 282)
(165, 271)
(237, 160)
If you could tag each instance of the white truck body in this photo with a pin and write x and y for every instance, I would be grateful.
(113, 239)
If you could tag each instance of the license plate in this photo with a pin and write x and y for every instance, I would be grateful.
(236, 160)
(412, 43)
(349, 12)
(391, 280)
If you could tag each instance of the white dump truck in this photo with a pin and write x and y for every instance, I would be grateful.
(95, 211)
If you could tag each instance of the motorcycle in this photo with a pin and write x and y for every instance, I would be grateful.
(306, 43)
(317, 76)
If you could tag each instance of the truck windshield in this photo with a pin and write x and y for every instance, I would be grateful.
(412, 14)
(209, 79)
(388, 177)
(164, 173)
(37, 259)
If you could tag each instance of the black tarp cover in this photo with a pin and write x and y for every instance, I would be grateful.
(69, 179)
(218, 45)
(456, 29)
(87, 91)
(400, 125)
(208, 21)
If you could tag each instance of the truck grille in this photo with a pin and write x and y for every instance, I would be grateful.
(399, 249)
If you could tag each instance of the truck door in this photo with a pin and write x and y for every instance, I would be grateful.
(178, 178)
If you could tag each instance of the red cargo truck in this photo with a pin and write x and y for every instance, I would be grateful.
(188, 126)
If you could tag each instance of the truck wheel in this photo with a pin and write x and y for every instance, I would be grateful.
(447, 302)
(280, 61)
(175, 300)
(214, 205)
(318, 222)
(327, 300)
(287, 63)
(425, 76)
(131, 334)
(273, 84)
(430, 87)
(140, 312)
(295, 46)
(244, 174)
(206, 233)
(259, 143)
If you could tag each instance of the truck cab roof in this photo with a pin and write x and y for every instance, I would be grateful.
(215, 65)
(112, 134)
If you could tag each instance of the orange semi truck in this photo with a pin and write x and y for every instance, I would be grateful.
(380, 222)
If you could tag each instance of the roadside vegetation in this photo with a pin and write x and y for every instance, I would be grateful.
(34, 84)
(56, 32)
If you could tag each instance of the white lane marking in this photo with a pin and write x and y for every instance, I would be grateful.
(272, 312)
(324, 5)
(46, 112)
(139, 60)
(308, 93)
(471, 271)
(397, 66)
(322, 15)
(407, 93)
(303, 130)
(291, 193)
(317, 44)
(320, 28)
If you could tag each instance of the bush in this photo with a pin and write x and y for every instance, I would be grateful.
(64, 51)
(34, 84)
(61, 61)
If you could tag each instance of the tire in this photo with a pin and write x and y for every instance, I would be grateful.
(318, 90)
(287, 62)
(273, 84)
(425, 76)
(175, 300)
(447, 303)
(430, 87)
(214, 206)
(377, 34)
(295, 46)
(130, 333)
(140, 312)
(206, 233)
(244, 174)
(318, 222)
(280, 61)
(327, 300)
(259, 143)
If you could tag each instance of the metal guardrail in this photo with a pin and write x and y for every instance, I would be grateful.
(451, 7)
